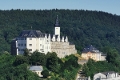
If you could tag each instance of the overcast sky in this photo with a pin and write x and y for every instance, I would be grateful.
(110, 6)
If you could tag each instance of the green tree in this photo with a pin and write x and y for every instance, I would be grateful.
(71, 60)
(20, 60)
(45, 73)
(11, 71)
(113, 56)
(26, 52)
(38, 58)
(52, 62)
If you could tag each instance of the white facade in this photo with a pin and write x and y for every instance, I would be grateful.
(41, 44)
(57, 31)
(111, 75)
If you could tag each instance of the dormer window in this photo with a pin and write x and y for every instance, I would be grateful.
(25, 35)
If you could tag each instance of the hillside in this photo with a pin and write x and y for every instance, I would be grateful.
(82, 27)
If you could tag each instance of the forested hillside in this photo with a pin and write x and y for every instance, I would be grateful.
(82, 27)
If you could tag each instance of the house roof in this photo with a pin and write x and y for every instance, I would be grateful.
(103, 54)
(90, 49)
(31, 33)
(36, 68)
(108, 72)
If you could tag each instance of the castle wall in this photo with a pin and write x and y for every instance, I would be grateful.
(62, 48)
(44, 45)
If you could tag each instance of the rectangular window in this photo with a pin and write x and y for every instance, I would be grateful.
(63, 52)
(22, 38)
(30, 38)
(30, 44)
(18, 44)
(22, 49)
(18, 49)
(41, 49)
(21, 44)
(30, 49)
(24, 44)
(40, 44)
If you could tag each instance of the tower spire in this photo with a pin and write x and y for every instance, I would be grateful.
(57, 22)
(31, 27)
(57, 27)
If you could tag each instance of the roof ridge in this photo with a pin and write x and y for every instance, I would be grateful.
(31, 33)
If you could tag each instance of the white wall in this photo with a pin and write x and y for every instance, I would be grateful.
(31, 44)
(45, 44)
(42, 44)
(38, 73)
(112, 76)
(57, 31)
(98, 75)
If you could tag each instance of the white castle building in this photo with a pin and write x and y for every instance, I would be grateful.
(36, 40)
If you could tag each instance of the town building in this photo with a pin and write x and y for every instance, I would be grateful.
(37, 70)
(36, 40)
(110, 75)
(93, 53)
(84, 78)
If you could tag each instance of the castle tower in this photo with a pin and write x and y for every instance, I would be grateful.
(57, 28)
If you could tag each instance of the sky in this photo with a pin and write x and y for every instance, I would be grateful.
(110, 6)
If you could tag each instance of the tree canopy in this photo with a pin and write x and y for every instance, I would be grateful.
(17, 67)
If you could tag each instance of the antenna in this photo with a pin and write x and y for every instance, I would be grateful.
(57, 22)
(31, 27)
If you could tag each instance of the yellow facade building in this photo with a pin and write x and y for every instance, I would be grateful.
(93, 53)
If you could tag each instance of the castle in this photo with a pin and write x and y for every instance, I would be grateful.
(36, 40)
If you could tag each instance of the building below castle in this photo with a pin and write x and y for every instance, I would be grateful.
(36, 40)
(109, 75)
(93, 53)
